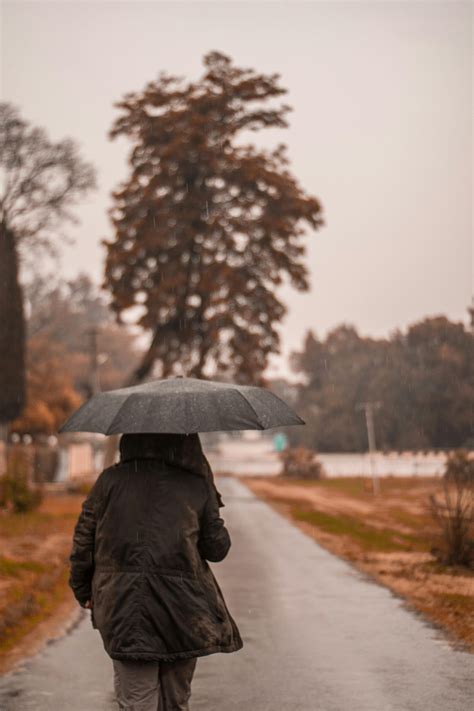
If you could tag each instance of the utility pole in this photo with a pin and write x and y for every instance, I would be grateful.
(369, 408)
(94, 383)
(94, 361)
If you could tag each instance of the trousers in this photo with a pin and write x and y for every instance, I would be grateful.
(153, 686)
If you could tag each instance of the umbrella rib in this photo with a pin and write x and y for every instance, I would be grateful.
(252, 407)
(111, 424)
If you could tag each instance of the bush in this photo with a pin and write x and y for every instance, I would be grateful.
(460, 468)
(300, 463)
(15, 489)
(79, 486)
(454, 513)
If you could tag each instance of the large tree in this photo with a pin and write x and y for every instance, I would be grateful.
(206, 226)
(41, 181)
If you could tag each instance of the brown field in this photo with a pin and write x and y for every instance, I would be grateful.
(35, 599)
(389, 537)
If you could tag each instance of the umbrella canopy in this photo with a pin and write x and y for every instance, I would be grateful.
(182, 405)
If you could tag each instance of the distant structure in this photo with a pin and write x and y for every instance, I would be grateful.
(471, 313)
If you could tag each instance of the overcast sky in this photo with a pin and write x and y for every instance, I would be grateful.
(381, 132)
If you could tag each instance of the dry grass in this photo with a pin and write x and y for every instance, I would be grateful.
(34, 567)
(389, 537)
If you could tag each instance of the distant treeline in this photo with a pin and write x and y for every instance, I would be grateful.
(423, 380)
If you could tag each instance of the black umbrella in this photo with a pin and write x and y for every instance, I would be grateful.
(182, 405)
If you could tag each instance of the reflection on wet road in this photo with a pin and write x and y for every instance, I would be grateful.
(317, 637)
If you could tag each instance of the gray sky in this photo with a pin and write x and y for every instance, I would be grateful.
(381, 132)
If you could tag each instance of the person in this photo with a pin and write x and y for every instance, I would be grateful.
(139, 562)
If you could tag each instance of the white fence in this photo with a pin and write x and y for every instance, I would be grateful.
(257, 457)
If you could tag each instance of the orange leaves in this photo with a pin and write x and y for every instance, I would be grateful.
(207, 211)
(51, 396)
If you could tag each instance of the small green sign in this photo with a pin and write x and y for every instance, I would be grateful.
(280, 442)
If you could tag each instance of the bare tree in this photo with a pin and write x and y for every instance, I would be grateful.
(454, 513)
(40, 182)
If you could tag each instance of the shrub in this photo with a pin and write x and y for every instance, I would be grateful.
(460, 467)
(16, 491)
(300, 463)
(79, 486)
(454, 513)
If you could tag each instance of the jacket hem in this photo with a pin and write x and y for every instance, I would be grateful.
(156, 657)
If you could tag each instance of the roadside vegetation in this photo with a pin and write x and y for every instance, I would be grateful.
(35, 546)
(16, 492)
(453, 512)
(395, 537)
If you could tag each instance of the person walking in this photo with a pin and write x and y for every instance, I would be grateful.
(139, 562)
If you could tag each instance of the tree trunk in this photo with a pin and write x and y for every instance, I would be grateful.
(136, 377)
(12, 330)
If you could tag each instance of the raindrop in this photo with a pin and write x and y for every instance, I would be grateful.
(207, 209)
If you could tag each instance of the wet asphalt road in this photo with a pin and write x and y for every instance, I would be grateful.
(317, 637)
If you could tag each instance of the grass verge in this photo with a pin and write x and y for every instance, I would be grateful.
(389, 537)
(369, 538)
(34, 568)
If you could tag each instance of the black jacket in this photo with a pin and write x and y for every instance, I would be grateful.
(140, 551)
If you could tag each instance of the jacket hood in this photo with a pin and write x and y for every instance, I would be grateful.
(180, 450)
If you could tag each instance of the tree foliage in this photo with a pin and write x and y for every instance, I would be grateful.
(41, 181)
(424, 380)
(51, 395)
(61, 315)
(206, 227)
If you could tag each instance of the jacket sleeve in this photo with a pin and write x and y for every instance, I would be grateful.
(210, 475)
(81, 558)
(214, 540)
